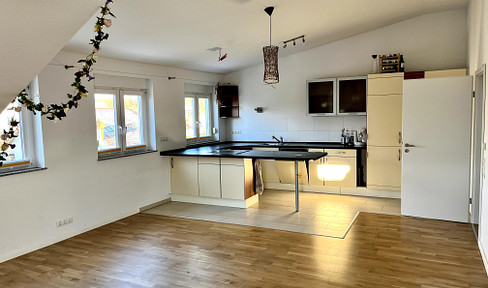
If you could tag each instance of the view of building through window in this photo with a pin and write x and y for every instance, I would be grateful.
(190, 117)
(120, 121)
(133, 120)
(106, 121)
(16, 154)
(197, 116)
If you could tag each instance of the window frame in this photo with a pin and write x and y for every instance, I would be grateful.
(119, 107)
(28, 137)
(198, 139)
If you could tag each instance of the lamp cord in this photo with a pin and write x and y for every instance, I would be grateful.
(269, 30)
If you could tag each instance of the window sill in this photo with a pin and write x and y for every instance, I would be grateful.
(109, 156)
(19, 171)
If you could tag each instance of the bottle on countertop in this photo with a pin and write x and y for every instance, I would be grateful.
(343, 137)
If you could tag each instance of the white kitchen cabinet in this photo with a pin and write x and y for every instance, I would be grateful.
(384, 168)
(385, 84)
(314, 179)
(208, 175)
(340, 158)
(184, 175)
(233, 179)
(384, 120)
(286, 172)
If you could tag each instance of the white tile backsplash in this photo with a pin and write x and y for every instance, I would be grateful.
(328, 123)
(314, 136)
(274, 123)
(355, 122)
(292, 129)
(300, 123)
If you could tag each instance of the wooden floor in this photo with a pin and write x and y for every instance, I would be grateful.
(157, 251)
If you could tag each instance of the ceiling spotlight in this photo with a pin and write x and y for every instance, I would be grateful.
(294, 40)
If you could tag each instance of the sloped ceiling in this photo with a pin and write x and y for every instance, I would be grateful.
(33, 32)
(179, 32)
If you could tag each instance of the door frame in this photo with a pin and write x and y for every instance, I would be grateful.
(480, 74)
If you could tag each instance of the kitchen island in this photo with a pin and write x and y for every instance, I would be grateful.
(223, 173)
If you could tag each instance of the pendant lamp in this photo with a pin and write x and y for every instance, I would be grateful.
(270, 54)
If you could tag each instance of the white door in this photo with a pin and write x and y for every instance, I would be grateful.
(436, 148)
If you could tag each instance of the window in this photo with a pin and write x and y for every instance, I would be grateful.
(198, 118)
(121, 121)
(23, 156)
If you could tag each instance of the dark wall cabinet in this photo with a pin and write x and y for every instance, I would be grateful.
(228, 101)
(337, 96)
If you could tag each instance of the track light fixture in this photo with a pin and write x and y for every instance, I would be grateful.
(285, 43)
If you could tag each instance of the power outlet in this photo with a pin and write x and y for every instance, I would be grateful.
(64, 222)
(236, 132)
(163, 139)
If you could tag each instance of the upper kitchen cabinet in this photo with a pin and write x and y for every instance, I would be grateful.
(351, 96)
(337, 96)
(385, 84)
(228, 101)
(321, 96)
(385, 109)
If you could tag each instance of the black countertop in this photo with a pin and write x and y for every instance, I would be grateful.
(244, 150)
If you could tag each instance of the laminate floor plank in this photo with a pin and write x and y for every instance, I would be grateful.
(148, 250)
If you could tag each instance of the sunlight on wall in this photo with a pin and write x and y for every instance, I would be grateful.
(330, 172)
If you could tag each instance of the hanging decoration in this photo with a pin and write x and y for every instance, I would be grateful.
(57, 112)
(270, 53)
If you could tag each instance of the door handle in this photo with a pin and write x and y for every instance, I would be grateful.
(409, 145)
(399, 155)
(172, 166)
(400, 137)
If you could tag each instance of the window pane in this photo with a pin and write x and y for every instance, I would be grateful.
(106, 121)
(133, 120)
(190, 117)
(203, 117)
(16, 154)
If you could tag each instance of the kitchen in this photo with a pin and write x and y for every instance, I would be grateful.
(429, 42)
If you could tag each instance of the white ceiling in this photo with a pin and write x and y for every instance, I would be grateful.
(33, 32)
(178, 33)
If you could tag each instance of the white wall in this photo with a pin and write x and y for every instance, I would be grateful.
(429, 42)
(75, 183)
(478, 55)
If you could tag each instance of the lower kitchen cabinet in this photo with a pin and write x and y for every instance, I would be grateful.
(232, 181)
(184, 175)
(286, 172)
(208, 173)
(384, 168)
(338, 158)
(342, 159)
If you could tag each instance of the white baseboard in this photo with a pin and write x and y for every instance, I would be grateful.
(150, 206)
(215, 201)
(363, 191)
(64, 236)
(358, 191)
(483, 256)
(308, 188)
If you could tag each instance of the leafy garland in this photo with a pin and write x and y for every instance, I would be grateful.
(57, 112)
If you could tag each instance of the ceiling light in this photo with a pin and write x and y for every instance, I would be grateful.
(270, 53)
(294, 41)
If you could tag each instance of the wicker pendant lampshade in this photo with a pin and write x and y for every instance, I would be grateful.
(270, 53)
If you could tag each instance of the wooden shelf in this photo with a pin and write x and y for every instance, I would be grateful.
(228, 101)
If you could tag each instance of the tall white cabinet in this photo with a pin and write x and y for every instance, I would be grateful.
(384, 124)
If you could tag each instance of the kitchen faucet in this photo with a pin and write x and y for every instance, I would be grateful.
(279, 141)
